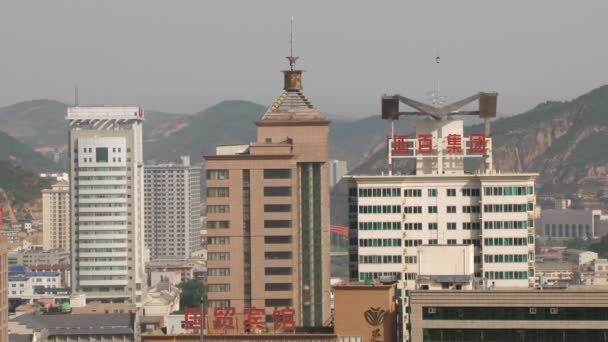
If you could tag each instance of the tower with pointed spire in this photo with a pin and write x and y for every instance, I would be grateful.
(268, 212)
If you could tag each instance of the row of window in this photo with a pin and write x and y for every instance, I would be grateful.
(380, 259)
(365, 276)
(221, 174)
(379, 209)
(396, 192)
(507, 208)
(379, 242)
(377, 225)
(508, 241)
(508, 224)
(515, 334)
(508, 190)
(498, 258)
(524, 313)
(509, 275)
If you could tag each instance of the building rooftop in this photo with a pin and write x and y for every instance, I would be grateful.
(85, 324)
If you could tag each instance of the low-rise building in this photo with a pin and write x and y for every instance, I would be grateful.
(173, 270)
(579, 257)
(578, 313)
(569, 223)
(66, 327)
(38, 256)
(161, 300)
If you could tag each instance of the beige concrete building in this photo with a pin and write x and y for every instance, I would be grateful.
(56, 216)
(3, 290)
(579, 313)
(268, 213)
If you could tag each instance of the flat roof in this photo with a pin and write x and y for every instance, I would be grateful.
(463, 176)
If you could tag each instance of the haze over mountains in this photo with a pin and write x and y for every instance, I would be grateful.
(564, 141)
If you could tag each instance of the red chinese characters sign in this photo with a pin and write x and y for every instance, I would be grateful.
(425, 143)
(477, 143)
(400, 144)
(225, 318)
(454, 143)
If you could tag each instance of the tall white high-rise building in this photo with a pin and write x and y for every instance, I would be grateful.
(172, 209)
(107, 203)
(394, 215)
(56, 216)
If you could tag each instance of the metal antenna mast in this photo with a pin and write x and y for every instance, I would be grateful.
(292, 59)
(76, 95)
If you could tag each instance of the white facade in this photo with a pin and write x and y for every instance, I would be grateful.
(441, 204)
(172, 209)
(106, 195)
(56, 217)
(23, 284)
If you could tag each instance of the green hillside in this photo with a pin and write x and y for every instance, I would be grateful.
(21, 184)
(23, 155)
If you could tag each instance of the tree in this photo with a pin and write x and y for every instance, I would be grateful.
(192, 292)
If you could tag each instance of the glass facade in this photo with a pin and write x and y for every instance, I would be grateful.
(525, 313)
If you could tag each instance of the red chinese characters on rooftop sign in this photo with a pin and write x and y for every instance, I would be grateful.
(477, 143)
(454, 143)
(252, 319)
(284, 318)
(425, 143)
(400, 144)
(224, 317)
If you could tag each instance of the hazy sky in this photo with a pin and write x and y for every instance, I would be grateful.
(183, 56)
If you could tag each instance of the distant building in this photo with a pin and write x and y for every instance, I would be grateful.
(162, 300)
(337, 169)
(3, 290)
(172, 209)
(56, 216)
(579, 257)
(107, 203)
(38, 256)
(569, 223)
(56, 176)
(174, 271)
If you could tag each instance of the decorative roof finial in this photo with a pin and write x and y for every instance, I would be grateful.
(292, 59)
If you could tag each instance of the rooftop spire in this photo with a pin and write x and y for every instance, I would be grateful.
(292, 59)
(292, 77)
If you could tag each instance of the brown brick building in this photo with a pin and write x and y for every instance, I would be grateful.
(268, 213)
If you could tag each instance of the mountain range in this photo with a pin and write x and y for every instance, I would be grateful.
(564, 141)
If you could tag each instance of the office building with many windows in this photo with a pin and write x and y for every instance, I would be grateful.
(107, 203)
(268, 213)
(56, 216)
(172, 206)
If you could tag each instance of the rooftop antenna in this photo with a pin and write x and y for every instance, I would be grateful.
(292, 59)
(436, 98)
(76, 95)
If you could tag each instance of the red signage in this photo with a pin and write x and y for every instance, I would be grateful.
(192, 318)
(224, 317)
(425, 143)
(400, 144)
(254, 318)
(477, 143)
(284, 318)
(454, 143)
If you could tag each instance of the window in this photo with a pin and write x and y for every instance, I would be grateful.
(432, 192)
(451, 192)
(412, 193)
(218, 192)
(219, 240)
(433, 209)
(277, 286)
(219, 303)
(101, 154)
(277, 223)
(218, 256)
(277, 271)
(451, 241)
(277, 255)
(432, 225)
(275, 191)
(451, 225)
(433, 242)
(277, 208)
(218, 272)
(218, 224)
(277, 239)
(269, 303)
(217, 174)
(218, 209)
(451, 209)
(277, 173)
(218, 287)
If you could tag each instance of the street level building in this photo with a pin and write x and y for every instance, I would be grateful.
(172, 206)
(56, 216)
(268, 213)
(107, 203)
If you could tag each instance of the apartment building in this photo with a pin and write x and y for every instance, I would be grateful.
(268, 213)
(172, 207)
(107, 203)
(56, 216)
